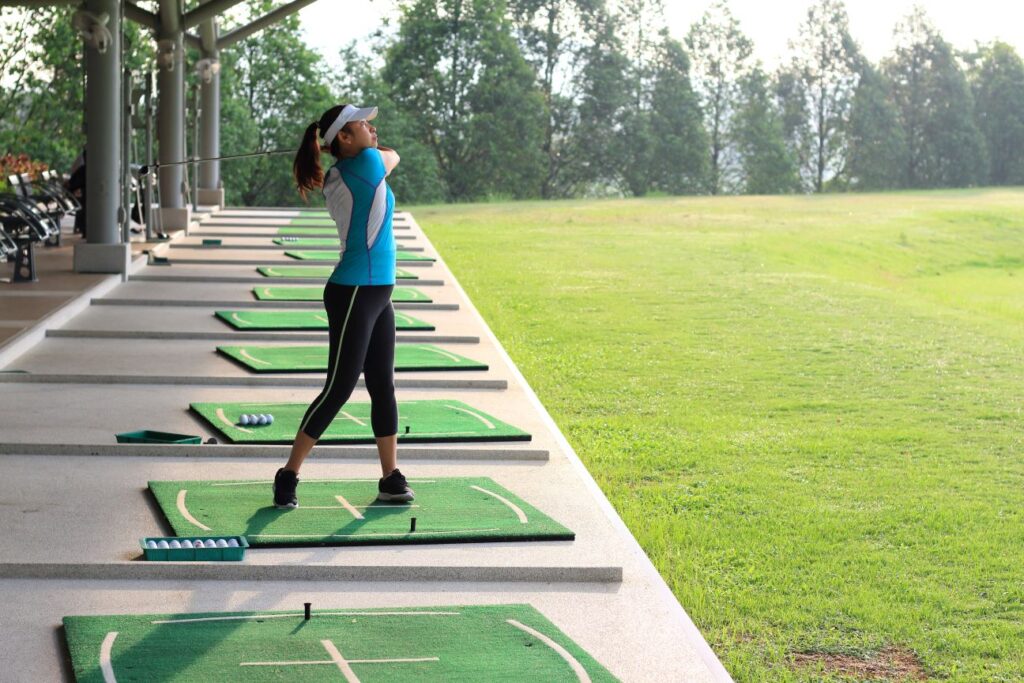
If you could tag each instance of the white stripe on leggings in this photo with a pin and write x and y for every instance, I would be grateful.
(337, 360)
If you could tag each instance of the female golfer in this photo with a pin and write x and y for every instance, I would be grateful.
(358, 293)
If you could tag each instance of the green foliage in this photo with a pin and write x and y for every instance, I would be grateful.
(823, 64)
(272, 87)
(721, 56)
(936, 109)
(767, 163)
(679, 155)
(997, 80)
(877, 146)
(456, 70)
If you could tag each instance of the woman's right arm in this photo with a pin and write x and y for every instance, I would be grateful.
(389, 157)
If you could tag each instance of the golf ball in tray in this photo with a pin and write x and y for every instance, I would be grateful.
(250, 419)
(189, 544)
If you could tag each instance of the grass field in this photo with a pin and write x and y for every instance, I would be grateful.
(807, 409)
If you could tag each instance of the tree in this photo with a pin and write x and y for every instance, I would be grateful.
(721, 55)
(598, 147)
(823, 62)
(936, 109)
(456, 68)
(877, 146)
(553, 36)
(997, 79)
(679, 155)
(272, 87)
(767, 164)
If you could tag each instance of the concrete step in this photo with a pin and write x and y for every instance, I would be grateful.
(228, 336)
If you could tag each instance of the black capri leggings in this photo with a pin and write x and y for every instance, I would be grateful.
(362, 334)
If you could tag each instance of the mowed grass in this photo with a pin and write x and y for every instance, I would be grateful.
(807, 409)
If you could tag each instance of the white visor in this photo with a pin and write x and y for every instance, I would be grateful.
(349, 113)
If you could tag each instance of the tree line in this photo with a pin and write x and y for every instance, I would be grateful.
(516, 99)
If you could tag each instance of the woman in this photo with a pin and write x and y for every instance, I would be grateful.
(358, 293)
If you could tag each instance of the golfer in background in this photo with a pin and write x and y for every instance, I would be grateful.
(358, 293)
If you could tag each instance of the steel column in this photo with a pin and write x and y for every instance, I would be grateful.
(103, 127)
(209, 134)
(170, 120)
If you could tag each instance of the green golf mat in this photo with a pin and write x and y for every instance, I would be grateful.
(313, 230)
(302, 320)
(418, 422)
(347, 512)
(318, 271)
(316, 293)
(432, 644)
(408, 358)
(333, 256)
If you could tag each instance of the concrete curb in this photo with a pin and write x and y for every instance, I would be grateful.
(315, 305)
(314, 380)
(228, 335)
(290, 262)
(260, 280)
(242, 571)
(268, 247)
(325, 452)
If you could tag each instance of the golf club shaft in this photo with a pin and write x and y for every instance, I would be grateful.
(146, 169)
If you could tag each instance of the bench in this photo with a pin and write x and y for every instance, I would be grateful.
(24, 224)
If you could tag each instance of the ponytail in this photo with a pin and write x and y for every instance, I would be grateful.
(309, 175)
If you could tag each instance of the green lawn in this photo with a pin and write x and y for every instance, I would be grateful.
(807, 409)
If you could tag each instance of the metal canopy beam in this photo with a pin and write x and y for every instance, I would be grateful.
(208, 10)
(140, 16)
(229, 39)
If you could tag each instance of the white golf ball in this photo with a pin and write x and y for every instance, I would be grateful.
(264, 420)
(232, 543)
(221, 543)
(151, 544)
(244, 420)
(174, 544)
(162, 545)
(198, 543)
(186, 543)
(270, 419)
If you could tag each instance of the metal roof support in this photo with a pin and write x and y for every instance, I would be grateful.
(170, 116)
(266, 20)
(133, 12)
(208, 10)
(211, 190)
(103, 252)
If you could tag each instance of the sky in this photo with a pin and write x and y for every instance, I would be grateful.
(769, 23)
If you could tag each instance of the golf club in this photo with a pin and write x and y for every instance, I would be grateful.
(148, 168)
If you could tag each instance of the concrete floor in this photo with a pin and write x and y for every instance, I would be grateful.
(68, 517)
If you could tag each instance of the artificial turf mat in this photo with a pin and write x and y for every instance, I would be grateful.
(316, 293)
(318, 271)
(346, 512)
(400, 255)
(418, 422)
(408, 358)
(301, 320)
(435, 643)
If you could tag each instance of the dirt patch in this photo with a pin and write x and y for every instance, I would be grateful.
(889, 664)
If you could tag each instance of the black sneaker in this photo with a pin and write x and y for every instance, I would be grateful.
(285, 482)
(394, 488)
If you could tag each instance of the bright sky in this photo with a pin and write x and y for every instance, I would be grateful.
(770, 23)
